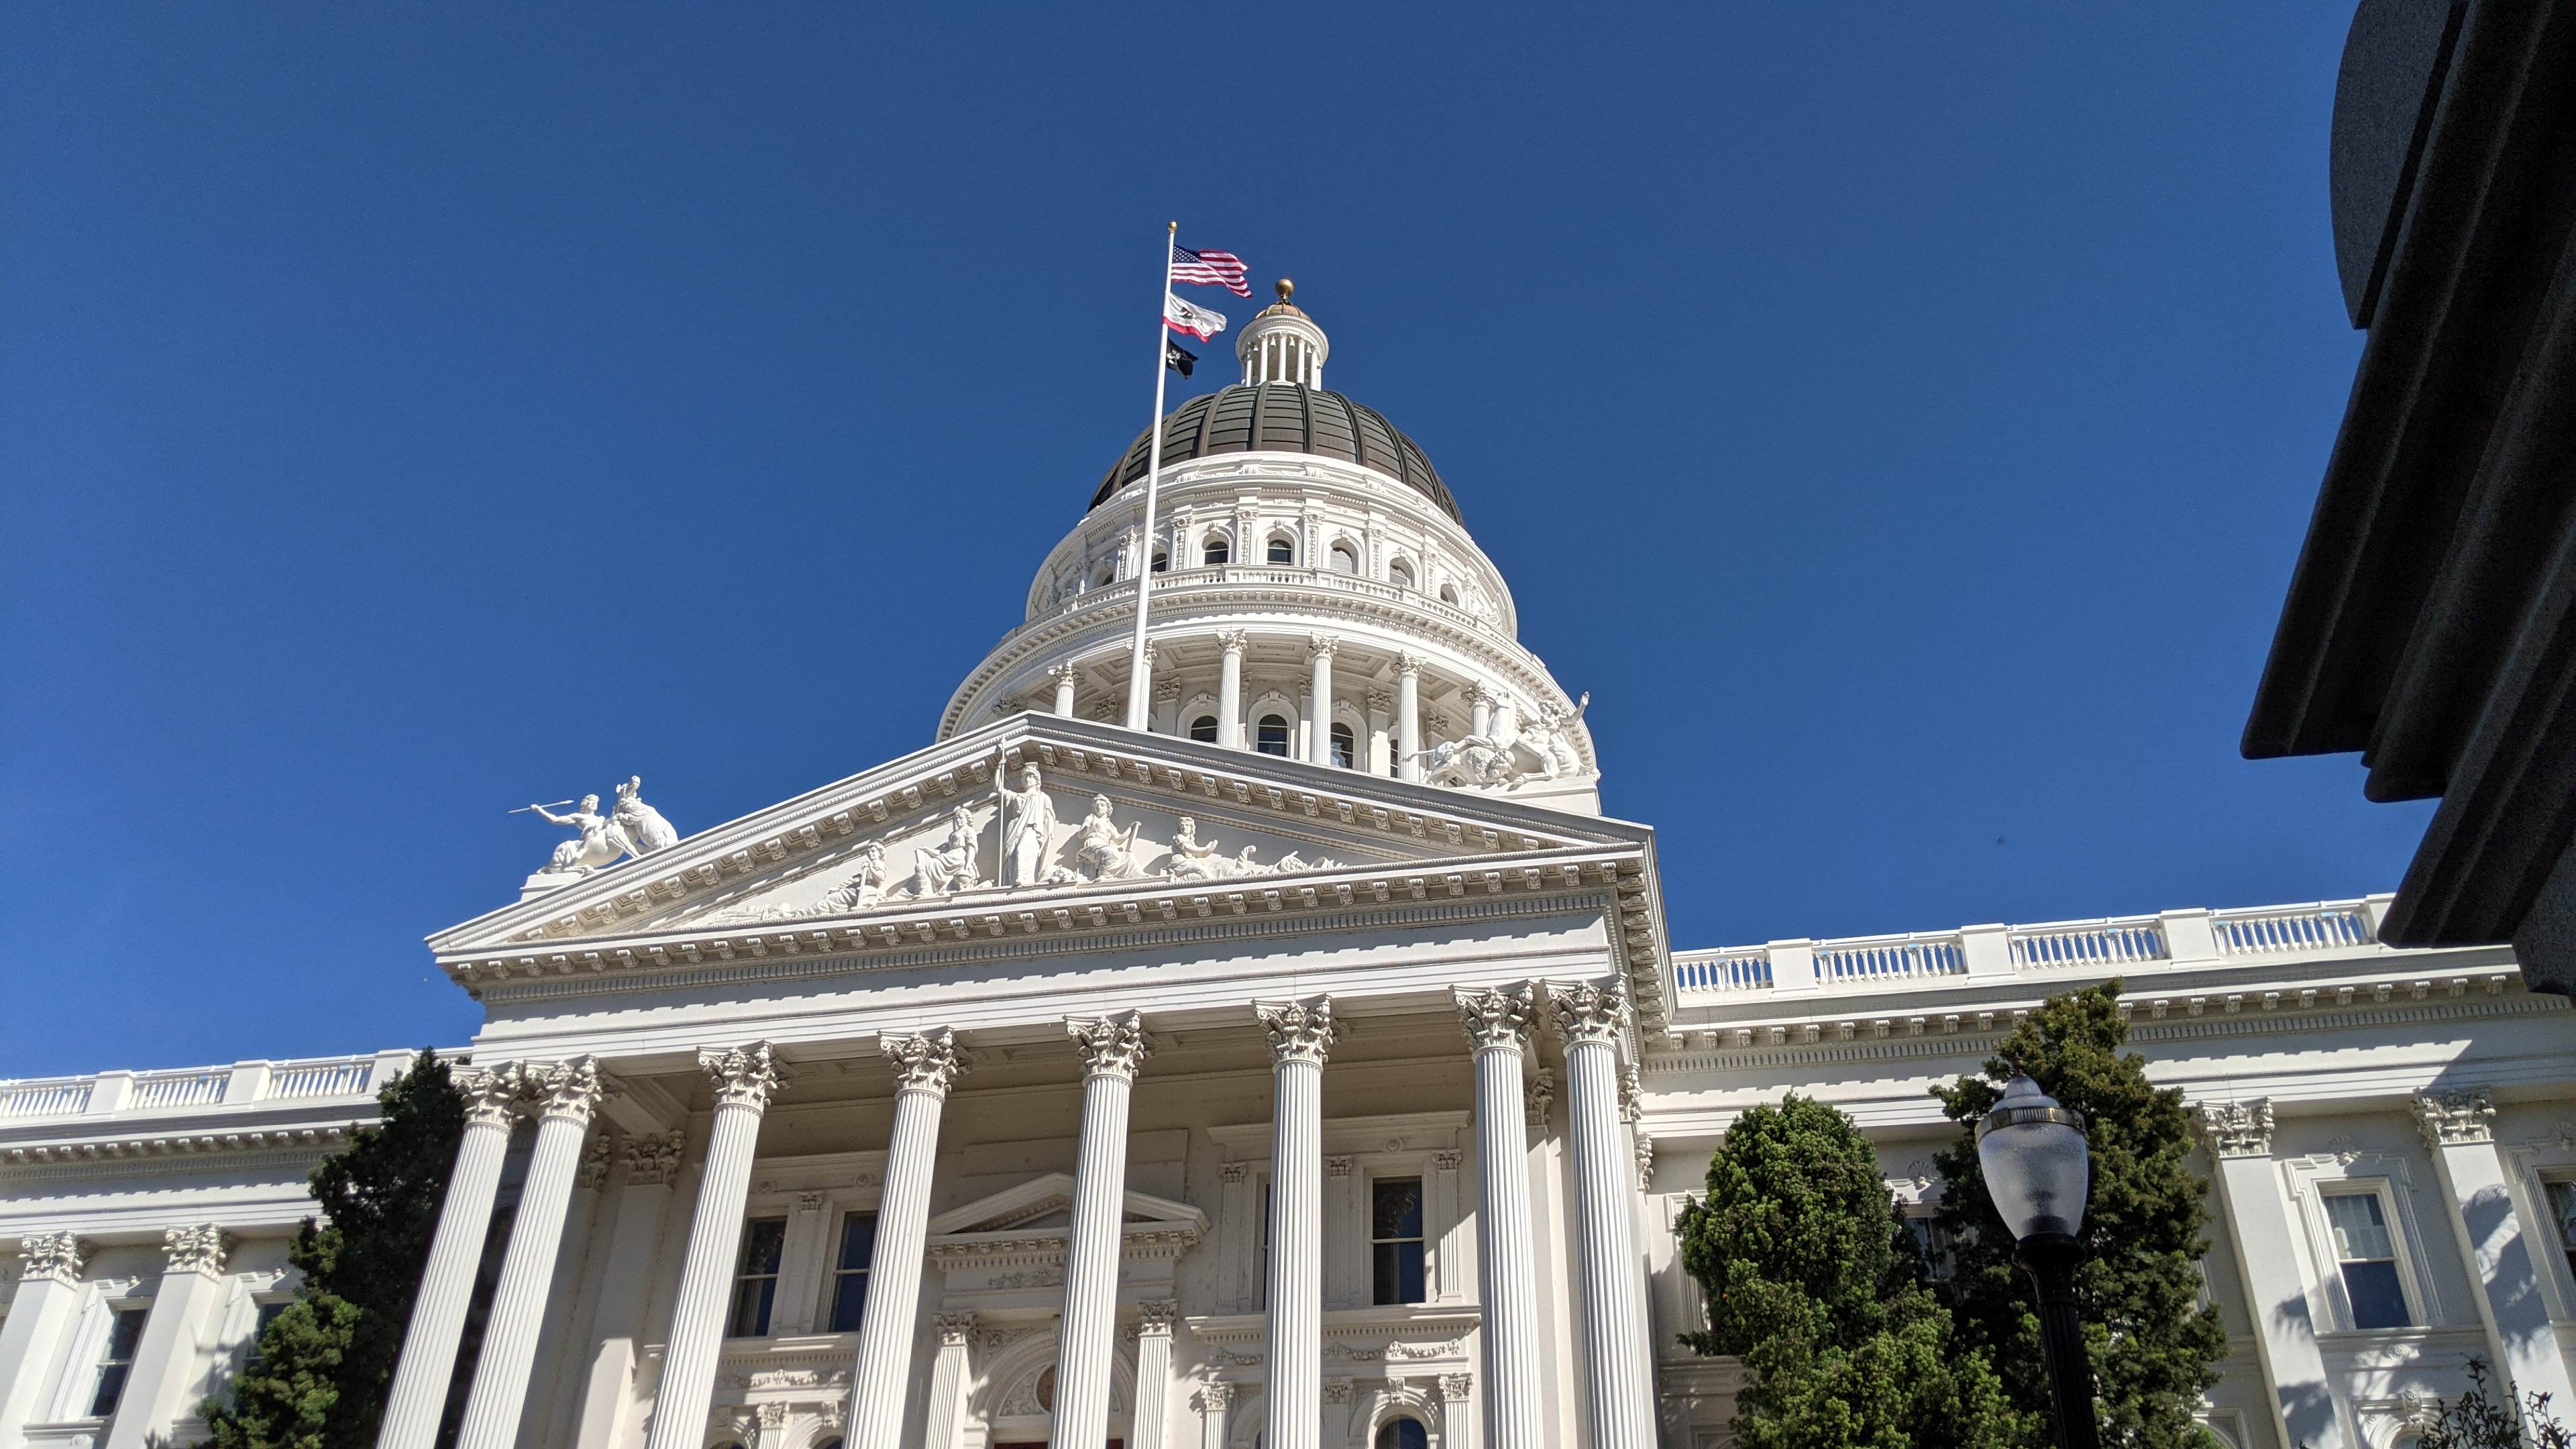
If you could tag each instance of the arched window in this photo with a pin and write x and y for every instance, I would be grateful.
(1400, 574)
(1273, 736)
(1105, 575)
(1162, 562)
(1344, 745)
(1203, 729)
(1283, 550)
(1346, 559)
(832, 1443)
(1449, 595)
(1216, 551)
(1403, 1434)
(1046, 1389)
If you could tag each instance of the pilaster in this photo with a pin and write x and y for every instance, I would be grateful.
(2459, 1129)
(175, 1333)
(31, 1337)
(2262, 1226)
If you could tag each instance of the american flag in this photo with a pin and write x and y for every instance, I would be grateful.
(1209, 269)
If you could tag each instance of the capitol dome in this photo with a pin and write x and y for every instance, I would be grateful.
(1284, 417)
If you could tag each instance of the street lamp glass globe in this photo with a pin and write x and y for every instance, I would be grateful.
(2033, 1154)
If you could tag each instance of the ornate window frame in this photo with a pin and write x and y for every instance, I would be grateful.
(2531, 1166)
(812, 1193)
(2390, 1177)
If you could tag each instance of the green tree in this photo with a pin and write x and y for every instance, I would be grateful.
(318, 1377)
(1814, 1285)
(2475, 1420)
(2154, 1347)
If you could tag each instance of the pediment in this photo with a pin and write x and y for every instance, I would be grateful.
(925, 835)
(1044, 1204)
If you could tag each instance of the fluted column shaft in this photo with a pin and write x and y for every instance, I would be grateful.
(1300, 1035)
(1063, 675)
(565, 1095)
(745, 1078)
(944, 1420)
(1112, 1048)
(418, 1397)
(1408, 717)
(1153, 1375)
(924, 1066)
(1617, 1360)
(1319, 711)
(1498, 1023)
(1229, 691)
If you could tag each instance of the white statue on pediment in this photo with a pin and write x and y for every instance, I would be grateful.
(864, 888)
(601, 843)
(1478, 761)
(1551, 740)
(1106, 851)
(1196, 859)
(645, 829)
(950, 867)
(1028, 829)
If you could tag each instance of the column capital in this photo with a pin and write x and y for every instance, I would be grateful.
(1300, 1031)
(2456, 1117)
(1456, 1388)
(1480, 692)
(1408, 664)
(745, 1076)
(1159, 1314)
(568, 1091)
(1645, 1162)
(1632, 1094)
(1215, 1396)
(1063, 673)
(1381, 700)
(491, 1094)
(651, 1160)
(1112, 1046)
(1538, 1096)
(929, 1062)
(1232, 641)
(954, 1329)
(2237, 1129)
(58, 1256)
(598, 1155)
(1499, 1019)
(1590, 1011)
(198, 1249)
(1323, 646)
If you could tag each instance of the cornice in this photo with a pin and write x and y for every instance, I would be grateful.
(157, 1156)
(1830, 1048)
(1399, 1323)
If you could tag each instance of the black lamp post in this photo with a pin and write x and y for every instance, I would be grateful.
(2036, 1169)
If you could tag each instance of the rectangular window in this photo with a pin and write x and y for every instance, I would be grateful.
(2367, 1253)
(850, 1270)
(2562, 1219)
(755, 1283)
(122, 1341)
(259, 1330)
(1933, 1242)
(1395, 1239)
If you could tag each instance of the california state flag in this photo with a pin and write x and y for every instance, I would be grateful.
(1199, 322)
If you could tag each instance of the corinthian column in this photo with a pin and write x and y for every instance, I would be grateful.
(564, 1096)
(1113, 1047)
(1618, 1362)
(1498, 1023)
(1064, 676)
(1408, 716)
(1319, 709)
(1229, 690)
(923, 1068)
(418, 1397)
(745, 1078)
(1153, 1375)
(1300, 1035)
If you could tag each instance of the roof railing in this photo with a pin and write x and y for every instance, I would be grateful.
(101, 1094)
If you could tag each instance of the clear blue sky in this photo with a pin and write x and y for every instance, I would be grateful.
(1901, 418)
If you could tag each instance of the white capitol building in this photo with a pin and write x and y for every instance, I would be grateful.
(1312, 1068)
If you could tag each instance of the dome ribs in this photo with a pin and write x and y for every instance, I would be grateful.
(1287, 418)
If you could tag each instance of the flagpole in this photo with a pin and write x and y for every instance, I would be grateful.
(1140, 689)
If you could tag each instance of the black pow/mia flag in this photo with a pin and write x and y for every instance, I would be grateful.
(1176, 359)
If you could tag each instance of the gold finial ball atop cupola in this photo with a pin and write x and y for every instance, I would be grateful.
(1287, 289)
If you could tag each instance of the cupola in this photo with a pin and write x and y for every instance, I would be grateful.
(1282, 344)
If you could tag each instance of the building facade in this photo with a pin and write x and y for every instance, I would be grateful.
(1310, 1067)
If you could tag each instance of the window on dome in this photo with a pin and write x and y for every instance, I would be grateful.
(1162, 562)
(1215, 554)
(1203, 729)
(1283, 550)
(1400, 574)
(1402, 1434)
(1105, 575)
(1346, 559)
(1345, 745)
(1272, 738)
(1449, 595)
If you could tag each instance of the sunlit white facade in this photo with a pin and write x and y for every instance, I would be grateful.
(1311, 1067)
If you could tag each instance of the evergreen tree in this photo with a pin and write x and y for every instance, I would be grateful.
(2154, 1347)
(1812, 1282)
(318, 1377)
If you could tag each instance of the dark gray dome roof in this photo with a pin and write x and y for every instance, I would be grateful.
(1284, 417)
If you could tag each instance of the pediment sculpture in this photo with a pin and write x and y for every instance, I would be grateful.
(632, 830)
